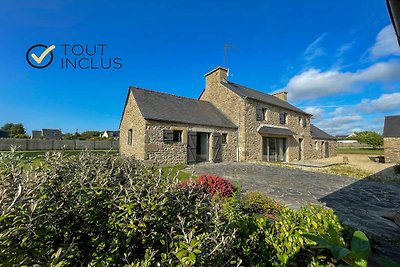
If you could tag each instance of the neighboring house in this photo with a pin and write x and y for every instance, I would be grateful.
(110, 134)
(324, 144)
(391, 138)
(4, 134)
(229, 122)
(46, 134)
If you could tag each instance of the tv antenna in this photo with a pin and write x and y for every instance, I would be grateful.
(226, 47)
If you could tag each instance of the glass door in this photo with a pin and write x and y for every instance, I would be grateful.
(274, 149)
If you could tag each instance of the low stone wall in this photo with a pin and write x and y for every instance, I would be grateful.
(392, 149)
(28, 144)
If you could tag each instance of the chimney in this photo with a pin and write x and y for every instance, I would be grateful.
(281, 95)
(218, 74)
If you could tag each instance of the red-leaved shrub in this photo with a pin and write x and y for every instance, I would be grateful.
(215, 184)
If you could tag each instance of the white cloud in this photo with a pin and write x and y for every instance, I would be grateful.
(315, 111)
(385, 44)
(338, 111)
(386, 102)
(315, 83)
(314, 50)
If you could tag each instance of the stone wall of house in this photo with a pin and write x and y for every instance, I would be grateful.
(253, 145)
(159, 152)
(392, 149)
(229, 103)
(318, 148)
(132, 119)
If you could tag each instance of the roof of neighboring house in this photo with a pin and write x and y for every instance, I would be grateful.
(4, 133)
(246, 92)
(170, 108)
(317, 133)
(51, 131)
(392, 126)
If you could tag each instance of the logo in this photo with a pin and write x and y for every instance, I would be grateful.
(74, 57)
(40, 56)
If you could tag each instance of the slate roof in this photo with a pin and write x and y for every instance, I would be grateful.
(317, 133)
(392, 126)
(246, 92)
(170, 108)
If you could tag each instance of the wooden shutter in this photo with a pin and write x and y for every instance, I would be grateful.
(217, 142)
(259, 114)
(191, 147)
(168, 136)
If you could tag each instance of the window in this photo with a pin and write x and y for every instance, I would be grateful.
(316, 145)
(130, 137)
(283, 118)
(172, 136)
(224, 138)
(300, 120)
(177, 136)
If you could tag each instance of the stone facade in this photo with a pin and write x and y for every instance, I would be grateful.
(392, 149)
(132, 120)
(243, 113)
(160, 152)
(319, 148)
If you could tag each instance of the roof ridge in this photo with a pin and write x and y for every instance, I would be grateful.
(162, 93)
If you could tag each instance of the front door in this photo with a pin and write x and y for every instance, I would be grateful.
(274, 149)
(197, 147)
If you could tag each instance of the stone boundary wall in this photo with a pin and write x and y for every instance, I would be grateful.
(28, 144)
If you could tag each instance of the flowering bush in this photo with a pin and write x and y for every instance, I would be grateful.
(215, 184)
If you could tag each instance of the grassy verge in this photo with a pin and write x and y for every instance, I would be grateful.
(360, 151)
(176, 170)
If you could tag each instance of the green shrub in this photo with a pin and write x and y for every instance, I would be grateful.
(257, 202)
(99, 210)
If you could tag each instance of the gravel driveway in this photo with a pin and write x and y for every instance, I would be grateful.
(359, 203)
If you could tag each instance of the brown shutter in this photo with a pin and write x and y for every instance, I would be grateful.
(259, 114)
(168, 136)
(217, 142)
(191, 147)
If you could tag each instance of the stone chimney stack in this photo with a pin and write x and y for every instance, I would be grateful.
(218, 74)
(281, 95)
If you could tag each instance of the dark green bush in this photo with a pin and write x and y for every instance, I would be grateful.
(98, 210)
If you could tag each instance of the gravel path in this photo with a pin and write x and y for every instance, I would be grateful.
(359, 203)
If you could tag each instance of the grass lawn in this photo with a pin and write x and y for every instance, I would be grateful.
(178, 171)
(361, 151)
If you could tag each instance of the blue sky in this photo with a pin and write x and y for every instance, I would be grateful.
(337, 59)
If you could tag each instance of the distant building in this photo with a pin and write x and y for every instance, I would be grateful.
(110, 134)
(347, 141)
(47, 134)
(391, 138)
(4, 134)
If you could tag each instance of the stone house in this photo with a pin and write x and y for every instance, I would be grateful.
(391, 138)
(49, 134)
(229, 122)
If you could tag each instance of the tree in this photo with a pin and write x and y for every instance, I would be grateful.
(371, 138)
(89, 135)
(14, 129)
